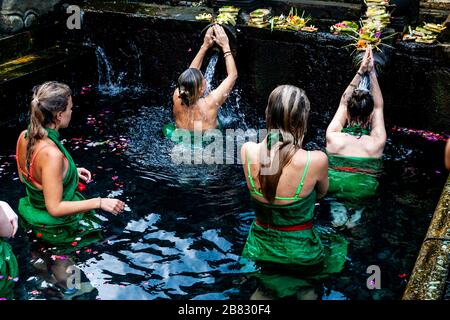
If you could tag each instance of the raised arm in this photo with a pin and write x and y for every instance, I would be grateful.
(340, 117)
(220, 94)
(378, 128)
(207, 43)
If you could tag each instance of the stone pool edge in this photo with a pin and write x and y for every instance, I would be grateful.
(428, 278)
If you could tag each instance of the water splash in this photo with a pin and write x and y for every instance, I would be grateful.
(231, 114)
(364, 84)
(106, 74)
(112, 84)
(209, 73)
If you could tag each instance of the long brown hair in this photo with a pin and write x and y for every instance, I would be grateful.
(286, 118)
(48, 98)
(360, 107)
(189, 86)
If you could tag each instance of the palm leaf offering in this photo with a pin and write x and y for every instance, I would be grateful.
(376, 19)
(227, 15)
(376, 14)
(350, 27)
(204, 17)
(292, 22)
(260, 18)
(428, 33)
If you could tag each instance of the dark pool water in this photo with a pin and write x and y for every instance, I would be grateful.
(186, 225)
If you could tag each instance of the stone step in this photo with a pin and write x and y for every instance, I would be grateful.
(39, 61)
(71, 64)
(23, 43)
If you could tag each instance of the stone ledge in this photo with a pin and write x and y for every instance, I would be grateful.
(430, 272)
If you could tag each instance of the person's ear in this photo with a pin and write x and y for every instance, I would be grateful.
(59, 116)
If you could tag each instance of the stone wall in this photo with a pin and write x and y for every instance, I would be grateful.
(414, 85)
(16, 15)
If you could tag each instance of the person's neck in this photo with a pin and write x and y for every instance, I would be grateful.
(53, 127)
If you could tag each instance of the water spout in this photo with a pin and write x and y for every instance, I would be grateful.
(209, 73)
(110, 83)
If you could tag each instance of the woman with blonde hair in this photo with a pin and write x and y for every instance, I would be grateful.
(54, 208)
(285, 181)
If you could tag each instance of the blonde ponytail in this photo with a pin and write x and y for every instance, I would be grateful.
(48, 98)
(36, 131)
(287, 119)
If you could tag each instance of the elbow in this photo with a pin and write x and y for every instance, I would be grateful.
(54, 211)
(320, 195)
(233, 76)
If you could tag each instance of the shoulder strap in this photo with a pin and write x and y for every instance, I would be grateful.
(32, 163)
(250, 178)
(17, 155)
(300, 186)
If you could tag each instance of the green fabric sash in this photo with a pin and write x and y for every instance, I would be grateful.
(66, 233)
(169, 129)
(356, 130)
(9, 270)
(296, 250)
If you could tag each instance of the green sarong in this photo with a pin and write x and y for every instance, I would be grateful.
(353, 179)
(9, 270)
(298, 257)
(171, 132)
(63, 234)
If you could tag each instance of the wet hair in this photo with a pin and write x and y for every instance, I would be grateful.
(189, 86)
(48, 99)
(286, 118)
(360, 107)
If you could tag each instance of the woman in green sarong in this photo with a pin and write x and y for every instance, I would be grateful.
(284, 182)
(9, 270)
(55, 211)
(192, 110)
(355, 142)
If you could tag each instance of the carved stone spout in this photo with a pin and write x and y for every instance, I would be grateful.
(16, 15)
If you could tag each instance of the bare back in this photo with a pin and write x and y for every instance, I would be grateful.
(344, 144)
(202, 115)
(41, 150)
(316, 176)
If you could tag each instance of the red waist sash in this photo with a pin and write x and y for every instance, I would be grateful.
(297, 227)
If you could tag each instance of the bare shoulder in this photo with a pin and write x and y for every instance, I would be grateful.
(335, 142)
(212, 100)
(21, 140)
(51, 153)
(300, 157)
(248, 147)
(376, 147)
(319, 159)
